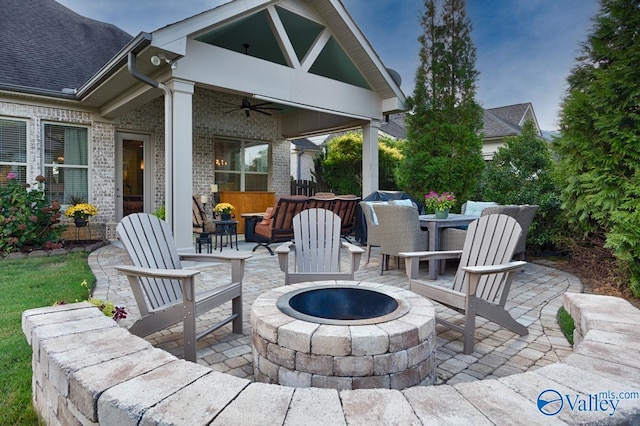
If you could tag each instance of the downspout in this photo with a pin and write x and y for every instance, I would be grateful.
(168, 136)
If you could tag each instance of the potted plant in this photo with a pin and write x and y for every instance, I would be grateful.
(440, 203)
(224, 210)
(81, 213)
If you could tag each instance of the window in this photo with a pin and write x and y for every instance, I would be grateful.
(66, 162)
(241, 165)
(13, 149)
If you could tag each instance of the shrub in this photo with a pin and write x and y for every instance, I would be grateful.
(340, 168)
(26, 217)
(522, 172)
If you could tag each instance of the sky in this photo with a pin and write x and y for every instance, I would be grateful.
(525, 48)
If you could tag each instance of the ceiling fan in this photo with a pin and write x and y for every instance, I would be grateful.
(247, 107)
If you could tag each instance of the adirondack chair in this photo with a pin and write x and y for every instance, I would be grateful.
(164, 292)
(316, 247)
(481, 284)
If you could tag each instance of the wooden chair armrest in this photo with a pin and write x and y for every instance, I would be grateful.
(352, 247)
(444, 254)
(494, 269)
(283, 251)
(137, 271)
(412, 259)
(204, 257)
(475, 272)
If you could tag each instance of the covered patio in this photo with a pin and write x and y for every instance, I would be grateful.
(215, 99)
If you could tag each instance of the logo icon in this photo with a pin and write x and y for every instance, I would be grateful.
(550, 402)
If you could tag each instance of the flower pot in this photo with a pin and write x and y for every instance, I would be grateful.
(80, 223)
(442, 214)
(225, 216)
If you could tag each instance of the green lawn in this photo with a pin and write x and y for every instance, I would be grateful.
(25, 284)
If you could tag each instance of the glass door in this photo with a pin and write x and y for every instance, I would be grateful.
(132, 174)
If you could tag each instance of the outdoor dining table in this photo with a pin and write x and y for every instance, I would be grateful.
(434, 225)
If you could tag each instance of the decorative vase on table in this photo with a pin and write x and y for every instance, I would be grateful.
(80, 222)
(442, 214)
(225, 216)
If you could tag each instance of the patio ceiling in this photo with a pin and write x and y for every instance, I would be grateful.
(308, 44)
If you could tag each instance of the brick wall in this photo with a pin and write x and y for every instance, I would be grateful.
(210, 119)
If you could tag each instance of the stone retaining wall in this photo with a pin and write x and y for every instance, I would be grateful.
(88, 370)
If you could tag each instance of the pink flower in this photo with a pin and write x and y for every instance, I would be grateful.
(11, 175)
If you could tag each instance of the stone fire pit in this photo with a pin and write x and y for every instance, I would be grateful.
(351, 345)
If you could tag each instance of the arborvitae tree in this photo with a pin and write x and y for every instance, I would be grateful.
(522, 172)
(443, 151)
(599, 150)
(341, 164)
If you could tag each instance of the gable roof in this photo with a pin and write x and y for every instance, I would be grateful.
(508, 120)
(305, 145)
(48, 47)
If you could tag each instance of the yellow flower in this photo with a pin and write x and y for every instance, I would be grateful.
(223, 208)
(81, 211)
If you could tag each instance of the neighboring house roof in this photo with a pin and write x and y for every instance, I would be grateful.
(495, 126)
(47, 47)
(395, 126)
(497, 122)
(304, 145)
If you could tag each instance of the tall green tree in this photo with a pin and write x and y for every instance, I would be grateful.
(523, 172)
(599, 150)
(443, 151)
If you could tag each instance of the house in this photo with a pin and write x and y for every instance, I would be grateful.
(498, 123)
(132, 123)
(302, 153)
(502, 122)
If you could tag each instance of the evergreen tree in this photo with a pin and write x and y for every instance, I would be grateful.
(522, 172)
(599, 150)
(444, 150)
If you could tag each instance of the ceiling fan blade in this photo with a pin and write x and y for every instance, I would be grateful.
(260, 111)
(233, 110)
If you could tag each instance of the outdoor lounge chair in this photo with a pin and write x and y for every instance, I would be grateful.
(345, 207)
(481, 284)
(278, 227)
(164, 292)
(316, 247)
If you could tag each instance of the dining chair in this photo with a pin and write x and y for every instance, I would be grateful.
(399, 230)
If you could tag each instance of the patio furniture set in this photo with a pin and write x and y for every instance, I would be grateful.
(165, 292)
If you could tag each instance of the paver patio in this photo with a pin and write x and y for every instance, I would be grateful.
(534, 300)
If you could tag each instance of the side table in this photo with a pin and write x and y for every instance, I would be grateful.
(228, 228)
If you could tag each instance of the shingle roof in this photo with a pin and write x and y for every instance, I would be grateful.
(497, 122)
(305, 144)
(47, 46)
(511, 113)
(496, 126)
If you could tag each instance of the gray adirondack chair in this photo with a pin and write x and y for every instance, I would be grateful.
(483, 279)
(316, 247)
(164, 292)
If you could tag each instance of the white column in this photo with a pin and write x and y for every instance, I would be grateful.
(179, 161)
(370, 166)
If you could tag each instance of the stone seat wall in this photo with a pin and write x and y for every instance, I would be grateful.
(88, 370)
